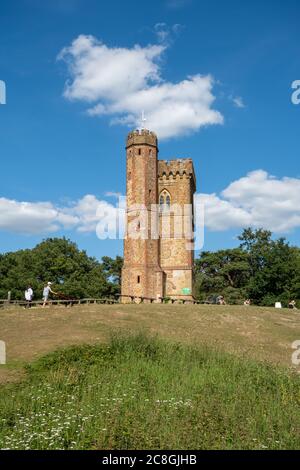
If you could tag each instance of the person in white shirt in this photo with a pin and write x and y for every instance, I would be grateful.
(292, 305)
(47, 290)
(28, 296)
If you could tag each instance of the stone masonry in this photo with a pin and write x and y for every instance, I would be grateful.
(158, 248)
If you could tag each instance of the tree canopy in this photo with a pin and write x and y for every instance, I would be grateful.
(262, 269)
(59, 260)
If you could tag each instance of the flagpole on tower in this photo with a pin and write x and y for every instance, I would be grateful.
(143, 120)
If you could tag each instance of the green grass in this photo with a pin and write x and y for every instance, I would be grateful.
(145, 393)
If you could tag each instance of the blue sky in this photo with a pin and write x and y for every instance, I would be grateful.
(225, 67)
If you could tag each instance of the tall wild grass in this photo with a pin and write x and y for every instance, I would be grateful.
(143, 393)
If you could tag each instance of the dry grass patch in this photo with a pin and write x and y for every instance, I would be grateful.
(259, 333)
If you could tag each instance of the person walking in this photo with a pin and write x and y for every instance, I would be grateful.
(46, 292)
(28, 296)
(221, 300)
(292, 305)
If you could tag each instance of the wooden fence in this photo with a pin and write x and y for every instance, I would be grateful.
(69, 302)
(119, 299)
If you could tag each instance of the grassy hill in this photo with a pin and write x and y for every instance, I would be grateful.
(259, 333)
(149, 376)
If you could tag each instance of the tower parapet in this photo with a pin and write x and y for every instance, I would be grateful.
(141, 137)
(174, 168)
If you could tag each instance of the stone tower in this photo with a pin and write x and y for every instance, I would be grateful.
(158, 248)
(142, 275)
(176, 188)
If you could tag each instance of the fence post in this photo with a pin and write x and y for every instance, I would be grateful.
(8, 297)
(2, 352)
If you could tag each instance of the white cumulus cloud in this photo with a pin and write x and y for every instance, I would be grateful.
(123, 82)
(90, 211)
(257, 200)
(31, 217)
(34, 218)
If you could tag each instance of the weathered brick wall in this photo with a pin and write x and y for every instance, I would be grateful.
(177, 178)
(163, 266)
(177, 280)
(142, 275)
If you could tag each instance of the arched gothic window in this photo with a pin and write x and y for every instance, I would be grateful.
(164, 201)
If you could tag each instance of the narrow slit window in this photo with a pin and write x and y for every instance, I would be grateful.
(140, 152)
(139, 279)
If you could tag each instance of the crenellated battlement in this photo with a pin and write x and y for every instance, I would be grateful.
(176, 168)
(141, 137)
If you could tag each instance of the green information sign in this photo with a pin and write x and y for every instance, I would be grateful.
(186, 291)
